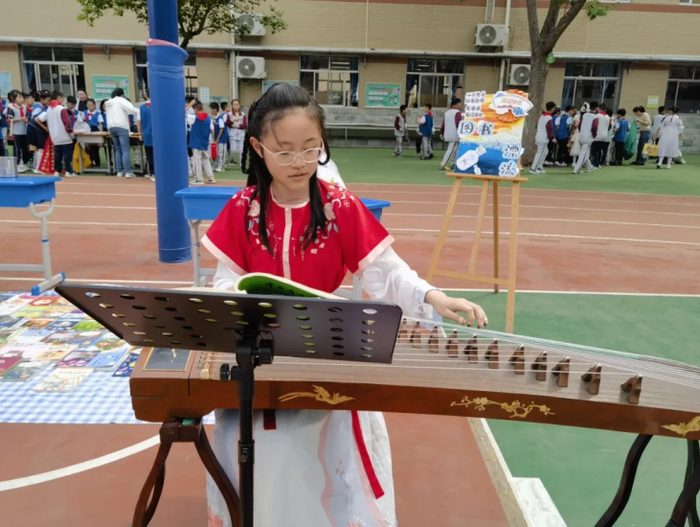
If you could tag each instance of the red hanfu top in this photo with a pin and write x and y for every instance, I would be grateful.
(353, 238)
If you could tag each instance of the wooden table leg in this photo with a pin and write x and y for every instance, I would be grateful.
(156, 477)
(512, 256)
(479, 227)
(443, 230)
(495, 235)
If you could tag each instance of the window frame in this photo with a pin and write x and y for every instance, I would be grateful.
(435, 74)
(348, 96)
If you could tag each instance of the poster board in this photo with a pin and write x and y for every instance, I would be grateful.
(269, 84)
(5, 83)
(382, 95)
(103, 85)
(652, 101)
(491, 132)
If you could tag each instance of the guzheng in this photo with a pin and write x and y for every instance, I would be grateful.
(446, 370)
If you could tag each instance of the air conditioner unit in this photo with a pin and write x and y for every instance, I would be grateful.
(519, 75)
(490, 35)
(250, 68)
(250, 24)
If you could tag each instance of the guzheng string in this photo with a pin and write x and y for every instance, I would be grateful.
(407, 355)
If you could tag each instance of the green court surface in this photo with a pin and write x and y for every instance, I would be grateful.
(581, 468)
(375, 165)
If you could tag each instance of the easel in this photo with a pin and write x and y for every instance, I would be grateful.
(471, 275)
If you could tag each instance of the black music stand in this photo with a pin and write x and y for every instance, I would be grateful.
(254, 327)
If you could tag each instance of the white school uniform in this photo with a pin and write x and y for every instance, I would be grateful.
(236, 134)
(669, 138)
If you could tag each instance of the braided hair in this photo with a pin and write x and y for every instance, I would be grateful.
(262, 116)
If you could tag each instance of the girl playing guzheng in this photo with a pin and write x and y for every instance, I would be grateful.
(314, 468)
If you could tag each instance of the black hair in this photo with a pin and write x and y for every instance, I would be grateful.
(602, 106)
(428, 106)
(198, 106)
(224, 105)
(622, 112)
(455, 101)
(235, 100)
(674, 109)
(71, 99)
(90, 99)
(262, 116)
(662, 109)
(593, 105)
(635, 109)
(550, 106)
(608, 112)
(402, 108)
(56, 94)
(25, 95)
(642, 109)
(117, 92)
(189, 99)
(214, 105)
(12, 95)
(102, 105)
(569, 108)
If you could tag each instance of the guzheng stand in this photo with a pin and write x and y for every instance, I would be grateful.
(471, 274)
(255, 328)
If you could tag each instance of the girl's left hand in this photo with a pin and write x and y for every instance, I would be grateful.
(450, 308)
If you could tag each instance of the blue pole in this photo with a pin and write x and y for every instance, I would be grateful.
(166, 77)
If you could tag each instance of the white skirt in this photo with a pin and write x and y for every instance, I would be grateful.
(310, 470)
(669, 143)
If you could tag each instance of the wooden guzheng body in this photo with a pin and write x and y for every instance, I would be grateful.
(449, 370)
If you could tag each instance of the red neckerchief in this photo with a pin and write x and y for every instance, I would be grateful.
(148, 103)
(430, 114)
(201, 116)
(21, 111)
(53, 104)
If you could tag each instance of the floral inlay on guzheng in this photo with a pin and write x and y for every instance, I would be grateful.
(320, 394)
(516, 408)
(683, 429)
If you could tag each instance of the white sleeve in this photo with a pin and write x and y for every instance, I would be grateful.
(389, 279)
(191, 118)
(225, 278)
(41, 117)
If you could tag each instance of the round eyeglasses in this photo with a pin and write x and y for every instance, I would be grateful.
(312, 155)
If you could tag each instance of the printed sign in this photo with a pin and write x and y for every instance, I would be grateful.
(490, 133)
(652, 101)
(5, 83)
(104, 85)
(382, 95)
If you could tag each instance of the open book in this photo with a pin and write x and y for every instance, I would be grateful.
(267, 284)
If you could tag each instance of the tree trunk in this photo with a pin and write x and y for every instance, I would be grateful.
(539, 69)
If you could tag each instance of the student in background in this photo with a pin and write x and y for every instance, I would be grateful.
(3, 125)
(426, 131)
(645, 129)
(201, 129)
(622, 129)
(18, 119)
(552, 146)
(400, 130)
(588, 131)
(562, 133)
(599, 148)
(449, 132)
(118, 110)
(220, 135)
(545, 134)
(236, 137)
(669, 134)
(609, 153)
(37, 132)
(656, 123)
(145, 129)
(58, 120)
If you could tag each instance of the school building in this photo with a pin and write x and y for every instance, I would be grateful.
(363, 58)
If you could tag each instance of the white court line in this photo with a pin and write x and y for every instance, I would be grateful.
(27, 481)
(95, 281)
(458, 216)
(393, 229)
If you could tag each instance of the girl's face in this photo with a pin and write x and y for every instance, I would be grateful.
(295, 132)
(29, 101)
(236, 106)
(91, 106)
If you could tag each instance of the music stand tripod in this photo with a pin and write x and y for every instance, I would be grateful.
(254, 327)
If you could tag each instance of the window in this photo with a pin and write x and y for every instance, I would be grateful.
(433, 81)
(54, 68)
(141, 61)
(585, 82)
(690, 2)
(332, 80)
(683, 88)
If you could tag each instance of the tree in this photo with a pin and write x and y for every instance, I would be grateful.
(542, 42)
(194, 16)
